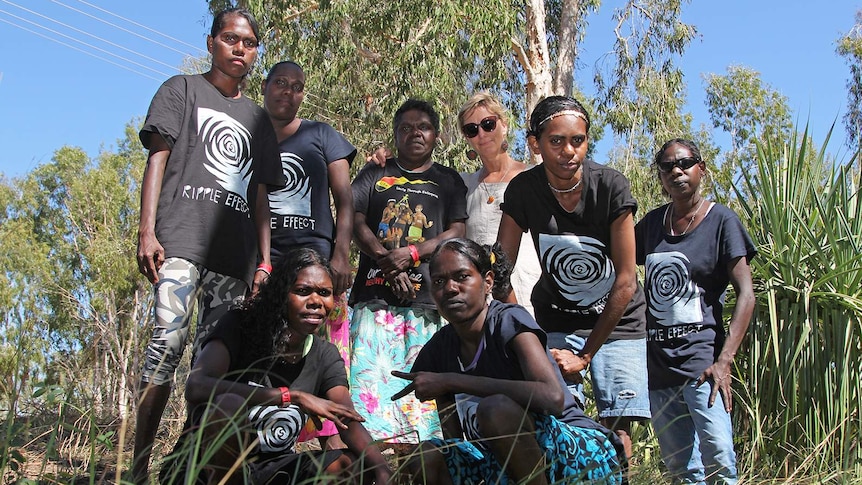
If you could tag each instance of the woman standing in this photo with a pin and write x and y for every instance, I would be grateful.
(491, 365)
(580, 215)
(692, 248)
(394, 314)
(263, 371)
(484, 124)
(204, 209)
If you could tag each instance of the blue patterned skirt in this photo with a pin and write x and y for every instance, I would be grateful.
(572, 455)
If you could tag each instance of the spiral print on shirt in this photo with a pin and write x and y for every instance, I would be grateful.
(672, 298)
(228, 150)
(295, 198)
(579, 267)
(277, 427)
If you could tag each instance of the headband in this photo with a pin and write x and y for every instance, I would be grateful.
(563, 113)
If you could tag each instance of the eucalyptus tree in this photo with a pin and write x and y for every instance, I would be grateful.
(71, 300)
(850, 48)
(750, 112)
(642, 91)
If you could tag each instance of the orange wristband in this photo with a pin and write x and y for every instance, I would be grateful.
(285, 395)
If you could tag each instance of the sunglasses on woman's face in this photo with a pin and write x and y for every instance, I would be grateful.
(686, 163)
(488, 124)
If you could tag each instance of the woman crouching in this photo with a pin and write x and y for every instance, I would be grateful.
(263, 371)
(503, 405)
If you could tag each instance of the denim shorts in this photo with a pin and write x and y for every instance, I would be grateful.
(617, 372)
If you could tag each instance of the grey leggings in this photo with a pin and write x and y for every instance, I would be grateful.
(181, 282)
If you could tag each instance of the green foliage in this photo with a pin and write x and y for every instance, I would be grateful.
(72, 299)
(364, 58)
(802, 364)
(850, 48)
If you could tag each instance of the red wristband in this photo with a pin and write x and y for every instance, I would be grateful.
(266, 268)
(285, 395)
(414, 253)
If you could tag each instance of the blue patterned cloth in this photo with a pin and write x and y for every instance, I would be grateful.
(573, 455)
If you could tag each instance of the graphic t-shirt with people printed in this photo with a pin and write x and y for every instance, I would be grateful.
(574, 249)
(404, 208)
(685, 285)
(221, 149)
(300, 212)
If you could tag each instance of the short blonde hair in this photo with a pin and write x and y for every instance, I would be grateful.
(486, 99)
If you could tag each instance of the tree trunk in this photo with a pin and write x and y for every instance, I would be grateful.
(567, 48)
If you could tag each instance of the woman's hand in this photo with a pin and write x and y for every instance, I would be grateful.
(150, 255)
(401, 286)
(324, 408)
(395, 261)
(427, 385)
(570, 363)
(719, 374)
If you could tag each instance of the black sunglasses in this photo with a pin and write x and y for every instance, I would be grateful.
(488, 124)
(683, 163)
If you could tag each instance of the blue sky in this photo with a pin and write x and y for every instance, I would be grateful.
(85, 101)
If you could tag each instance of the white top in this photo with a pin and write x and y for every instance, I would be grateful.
(482, 226)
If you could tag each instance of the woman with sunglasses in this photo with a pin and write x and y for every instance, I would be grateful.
(484, 124)
(691, 249)
(580, 216)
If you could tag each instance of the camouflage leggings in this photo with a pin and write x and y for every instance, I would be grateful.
(180, 283)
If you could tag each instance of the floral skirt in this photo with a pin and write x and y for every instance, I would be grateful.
(386, 338)
(337, 331)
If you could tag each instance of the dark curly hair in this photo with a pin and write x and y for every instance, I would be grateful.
(264, 316)
(418, 105)
(484, 258)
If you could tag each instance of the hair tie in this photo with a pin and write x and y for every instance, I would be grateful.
(493, 258)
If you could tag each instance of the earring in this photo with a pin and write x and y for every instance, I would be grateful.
(472, 155)
(505, 146)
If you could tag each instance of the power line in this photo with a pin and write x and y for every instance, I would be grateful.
(148, 39)
(169, 66)
(195, 47)
(81, 50)
(76, 40)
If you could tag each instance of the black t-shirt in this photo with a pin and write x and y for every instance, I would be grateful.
(503, 322)
(574, 249)
(404, 208)
(221, 149)
(685, 284)
(320, 369)
(300, 212)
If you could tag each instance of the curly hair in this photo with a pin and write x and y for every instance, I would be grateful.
(264, 316)
(418, 105)
(484, 258)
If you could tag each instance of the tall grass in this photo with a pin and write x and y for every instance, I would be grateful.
(802, 361)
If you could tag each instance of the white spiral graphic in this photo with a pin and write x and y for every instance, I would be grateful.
(578, 266)
(295, 198)
(672, 298)
(277, 427)
(228, 150)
